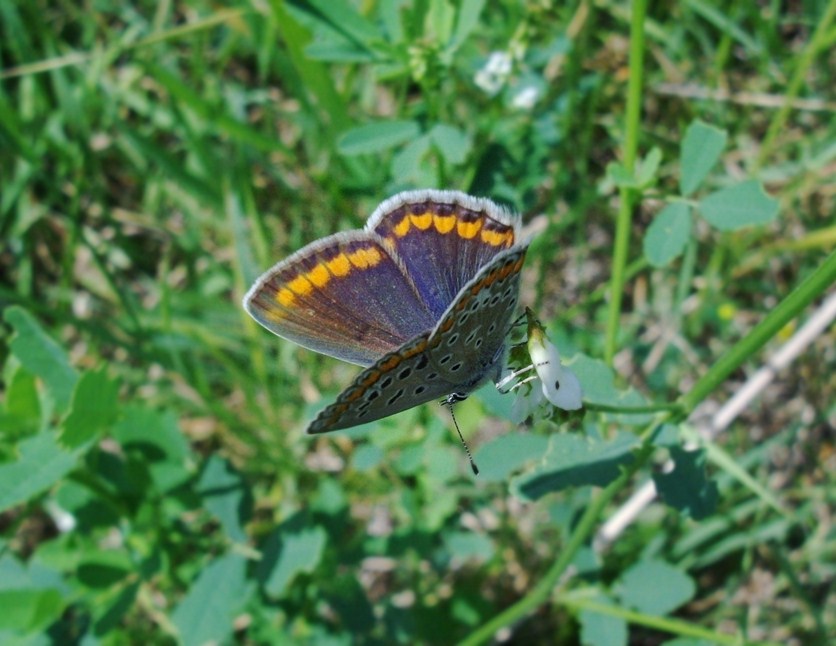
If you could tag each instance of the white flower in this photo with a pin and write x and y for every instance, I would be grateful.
(560, 385)
(493, 75)
(552, 380)
(526, 97)
(525, 404)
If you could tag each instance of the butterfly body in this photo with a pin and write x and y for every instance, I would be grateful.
(422, 298)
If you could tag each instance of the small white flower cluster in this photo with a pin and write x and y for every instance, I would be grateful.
(495, 72)
(526, 97)
(558, 384)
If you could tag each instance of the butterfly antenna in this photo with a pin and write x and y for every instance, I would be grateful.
(461, 437)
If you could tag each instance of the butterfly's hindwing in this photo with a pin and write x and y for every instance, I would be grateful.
(468, 343)
(399, 380)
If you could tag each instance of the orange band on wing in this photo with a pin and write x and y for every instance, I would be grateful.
(339, 266)
(468, 230)
(319, 276)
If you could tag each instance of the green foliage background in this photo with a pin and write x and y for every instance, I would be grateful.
(155, 482)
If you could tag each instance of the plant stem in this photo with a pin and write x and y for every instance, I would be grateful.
(666, 624)
(627, 195)
(630, 410)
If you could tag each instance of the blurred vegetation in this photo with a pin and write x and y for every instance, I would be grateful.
(155, 482)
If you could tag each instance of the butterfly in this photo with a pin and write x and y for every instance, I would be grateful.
(422, 297)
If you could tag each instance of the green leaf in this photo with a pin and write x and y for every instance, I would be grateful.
(293, 548)
(668, 234)
(335, 48)
(574, 461)
(377, 137)
(93, 410)
(597, 379)
(442, 505)
(344, 17)
(103, 569)
(701, 148)
(619, 175)
(655, 587)
(226, 495)
(22, 414)
(686, 488)
(156, 437)
(410, 461)
(330, 498)
(441, 463)
(643, 175)
(29, 610)
(647, 167)
(42, 463)
(110, 613)
(732, 465)
(667, 436)
(739, 206)
(154, 432)
(598, 629)
(315, 78)
(367, 457)
(439, 21)
(207, 611)
(33, 595)
(453, 144)
(504, 455)
(468, 545)
(409, 163)
(466, 21)
(41, 356)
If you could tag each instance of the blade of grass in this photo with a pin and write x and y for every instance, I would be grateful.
(627, 195)
(77, 58)
(808, 56)
(314, 75)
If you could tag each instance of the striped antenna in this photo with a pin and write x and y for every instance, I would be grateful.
(452, 399)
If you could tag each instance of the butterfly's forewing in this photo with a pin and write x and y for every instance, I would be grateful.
(347, 296)
(444, 238)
